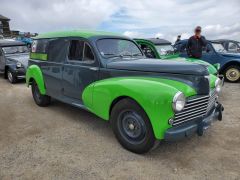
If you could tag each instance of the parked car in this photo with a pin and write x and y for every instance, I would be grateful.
(107, 74)
(26, 40)
(229, 45)
(163, 49)
(215, 53)
(14, 57)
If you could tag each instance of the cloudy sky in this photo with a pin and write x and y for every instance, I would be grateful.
(139, 18)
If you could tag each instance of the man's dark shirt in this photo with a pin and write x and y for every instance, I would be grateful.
(195, 46)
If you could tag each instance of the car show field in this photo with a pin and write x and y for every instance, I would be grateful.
(51, 143)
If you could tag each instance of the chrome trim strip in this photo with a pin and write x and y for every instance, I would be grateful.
(194, 102)
(188, 116)
(197, 98)
(191, 109)
(191, 112)
(188, 119)
(202, 104)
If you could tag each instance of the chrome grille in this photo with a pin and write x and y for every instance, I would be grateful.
(195, 107)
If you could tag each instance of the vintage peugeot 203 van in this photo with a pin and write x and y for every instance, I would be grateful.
(107, 74)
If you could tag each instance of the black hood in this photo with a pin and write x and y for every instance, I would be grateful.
(21, 57)
(159, 66)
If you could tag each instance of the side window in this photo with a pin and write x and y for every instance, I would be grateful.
(76, 50)
(88, 54)
(40, 46)
(147, 51)
(232, 46)
(57, 50)
(1, 52)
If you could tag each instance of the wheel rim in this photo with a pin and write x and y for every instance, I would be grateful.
(10, 76)
(131, 126)
(232, 74)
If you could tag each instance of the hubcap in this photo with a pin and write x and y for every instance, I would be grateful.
(131, 126)
(10, 76)
(233, 74)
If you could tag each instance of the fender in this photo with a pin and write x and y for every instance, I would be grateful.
(212, 80)
(34, 72)
(154, 95)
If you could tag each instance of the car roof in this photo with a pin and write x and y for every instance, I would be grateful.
(156, 41)
(4, 42)
(75, 33)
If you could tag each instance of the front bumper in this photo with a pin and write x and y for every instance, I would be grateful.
(197, 126)
(20, 73)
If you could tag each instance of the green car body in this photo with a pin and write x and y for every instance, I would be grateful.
(152, 45)
(100, 85)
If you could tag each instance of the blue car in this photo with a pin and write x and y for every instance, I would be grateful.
(26, 40)
(216, 53)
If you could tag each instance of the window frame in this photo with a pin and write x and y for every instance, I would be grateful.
(118, 39)
(37, 42)
(232, 43)
(82, 61)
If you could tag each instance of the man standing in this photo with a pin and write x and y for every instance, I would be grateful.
(178, 38)
(196, 43)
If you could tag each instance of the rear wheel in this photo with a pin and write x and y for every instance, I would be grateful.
(232, 73)
(11, 77)
(132, 127)
(40, 100)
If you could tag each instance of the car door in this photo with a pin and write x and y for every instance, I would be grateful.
(209, 54)
(56, 50)
(80, 69)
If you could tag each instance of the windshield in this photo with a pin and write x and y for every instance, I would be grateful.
(15, 49)
(118, 48)
(218, 47)
(165, 49)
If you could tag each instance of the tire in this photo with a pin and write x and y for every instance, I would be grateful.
(40, 100)
(11, 77)
(132, 127)
(232, 73)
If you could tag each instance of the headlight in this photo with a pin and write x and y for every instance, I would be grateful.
(179, 101)
(218, 85)
(18, 65)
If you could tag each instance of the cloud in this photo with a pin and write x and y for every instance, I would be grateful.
(219, 18)
(133, 34)
(45, 15)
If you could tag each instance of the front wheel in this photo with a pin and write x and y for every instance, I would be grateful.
(40, 100)
(232, 74)
(11, 77)
(132, 127)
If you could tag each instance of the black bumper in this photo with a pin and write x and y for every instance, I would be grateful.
(19, 73)
(196, 126)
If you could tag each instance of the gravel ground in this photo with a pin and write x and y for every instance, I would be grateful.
(63, 142)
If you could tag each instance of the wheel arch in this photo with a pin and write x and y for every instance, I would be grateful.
(34, 73)
(119, 98)
(230, 63)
